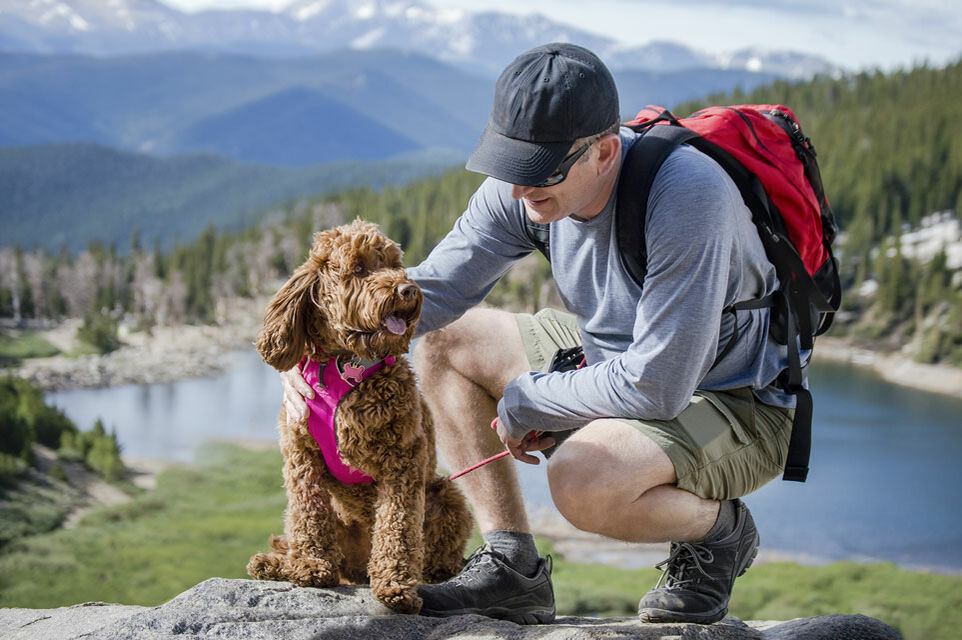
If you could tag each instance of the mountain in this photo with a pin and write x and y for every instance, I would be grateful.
(477, 41)
(64, 195)
(279, 130)
(346, 105)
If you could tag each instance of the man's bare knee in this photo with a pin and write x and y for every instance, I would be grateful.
(602, 470)
(575, 493)
(483, 346)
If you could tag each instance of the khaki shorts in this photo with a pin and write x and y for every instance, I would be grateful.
(726, 444)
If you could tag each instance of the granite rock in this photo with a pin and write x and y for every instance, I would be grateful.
(257, 610)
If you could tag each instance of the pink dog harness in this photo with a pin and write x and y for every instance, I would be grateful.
(331, 383)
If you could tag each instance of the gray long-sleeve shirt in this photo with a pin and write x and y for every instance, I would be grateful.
(647, 348)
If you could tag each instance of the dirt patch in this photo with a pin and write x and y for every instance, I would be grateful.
(93, 491)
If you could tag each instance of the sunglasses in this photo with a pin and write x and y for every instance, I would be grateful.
(561, 172)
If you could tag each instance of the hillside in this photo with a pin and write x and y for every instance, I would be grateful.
(151, 103)
(65, 195)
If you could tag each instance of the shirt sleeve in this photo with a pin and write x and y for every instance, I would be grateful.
(690, 239)
(486, 240)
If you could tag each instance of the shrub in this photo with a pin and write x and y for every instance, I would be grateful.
(15, 433)
(104, 457)
(100, 331)
(11, 468)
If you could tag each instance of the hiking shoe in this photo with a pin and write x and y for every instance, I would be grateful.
(488, 586)
(698, 577)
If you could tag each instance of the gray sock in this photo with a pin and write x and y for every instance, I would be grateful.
(724, 524)
(518, 548)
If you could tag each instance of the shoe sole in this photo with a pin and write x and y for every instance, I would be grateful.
(664, 615)
(530, 616)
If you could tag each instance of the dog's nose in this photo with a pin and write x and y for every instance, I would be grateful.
(407, 291)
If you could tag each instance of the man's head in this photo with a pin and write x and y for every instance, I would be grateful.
(545, 100)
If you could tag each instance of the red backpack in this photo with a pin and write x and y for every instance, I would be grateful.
(773, 164)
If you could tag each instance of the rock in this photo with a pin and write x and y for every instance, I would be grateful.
(257, 610)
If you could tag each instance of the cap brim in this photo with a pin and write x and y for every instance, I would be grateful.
(516, 161)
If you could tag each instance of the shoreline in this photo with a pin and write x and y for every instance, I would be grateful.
(893, 367)
(169, 354)
(164, 355)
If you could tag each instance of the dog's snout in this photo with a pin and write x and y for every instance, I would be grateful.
(407, 291)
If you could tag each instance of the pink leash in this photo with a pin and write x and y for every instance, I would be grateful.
(532, 435)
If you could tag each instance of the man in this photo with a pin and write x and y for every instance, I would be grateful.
(653, 440)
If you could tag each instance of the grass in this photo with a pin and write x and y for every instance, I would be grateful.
(207, 520)
(32, 507)
(200, 522)
(16, 346)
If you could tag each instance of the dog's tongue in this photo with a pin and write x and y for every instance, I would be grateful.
(395, 325)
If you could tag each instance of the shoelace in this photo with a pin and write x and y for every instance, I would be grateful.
(683, 556)
(477, 557)
(480, 555)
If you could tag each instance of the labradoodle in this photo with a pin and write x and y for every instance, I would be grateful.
(364, 501)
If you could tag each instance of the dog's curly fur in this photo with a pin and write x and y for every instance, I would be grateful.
(406, 526)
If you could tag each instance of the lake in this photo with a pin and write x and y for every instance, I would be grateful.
(885, 484)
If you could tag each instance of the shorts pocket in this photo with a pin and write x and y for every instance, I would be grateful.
(767, 429)
(744, 433)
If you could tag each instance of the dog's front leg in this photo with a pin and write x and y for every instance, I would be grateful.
(397, 550)
(314, 555)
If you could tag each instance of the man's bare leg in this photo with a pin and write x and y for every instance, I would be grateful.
(463, 369)
(611, 479)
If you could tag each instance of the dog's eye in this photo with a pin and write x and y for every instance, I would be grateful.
(360, 270)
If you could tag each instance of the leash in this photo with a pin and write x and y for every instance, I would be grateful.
(564, 360)
(531, 437)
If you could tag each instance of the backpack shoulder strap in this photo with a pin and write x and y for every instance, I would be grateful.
(539, 234)
(641, 164)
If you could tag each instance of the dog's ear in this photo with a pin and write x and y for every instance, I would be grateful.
(283, 340)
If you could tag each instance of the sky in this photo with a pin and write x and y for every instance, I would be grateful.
(855, 34)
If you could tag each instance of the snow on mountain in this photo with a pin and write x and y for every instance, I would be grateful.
(480, 41)
(92, 16)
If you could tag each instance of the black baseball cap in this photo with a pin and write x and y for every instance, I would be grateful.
(544, 100)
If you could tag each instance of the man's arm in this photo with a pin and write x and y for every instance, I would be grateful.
(462, 269)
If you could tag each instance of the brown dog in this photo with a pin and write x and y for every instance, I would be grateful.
(350, 302)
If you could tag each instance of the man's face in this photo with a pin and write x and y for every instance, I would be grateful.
(583, 193)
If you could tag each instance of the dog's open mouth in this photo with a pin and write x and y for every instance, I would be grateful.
(395, 324)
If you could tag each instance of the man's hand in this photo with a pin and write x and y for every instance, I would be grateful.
(534, 441)
(295, 390)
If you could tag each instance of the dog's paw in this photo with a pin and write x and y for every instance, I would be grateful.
(313, 572)
(267, 566)
(398, 598)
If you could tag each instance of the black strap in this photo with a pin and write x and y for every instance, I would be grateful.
(760, 303)
(641, 164)
(540, 235)
(800, 442)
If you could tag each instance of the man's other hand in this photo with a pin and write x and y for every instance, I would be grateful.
(519, 448)
(295, 390)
